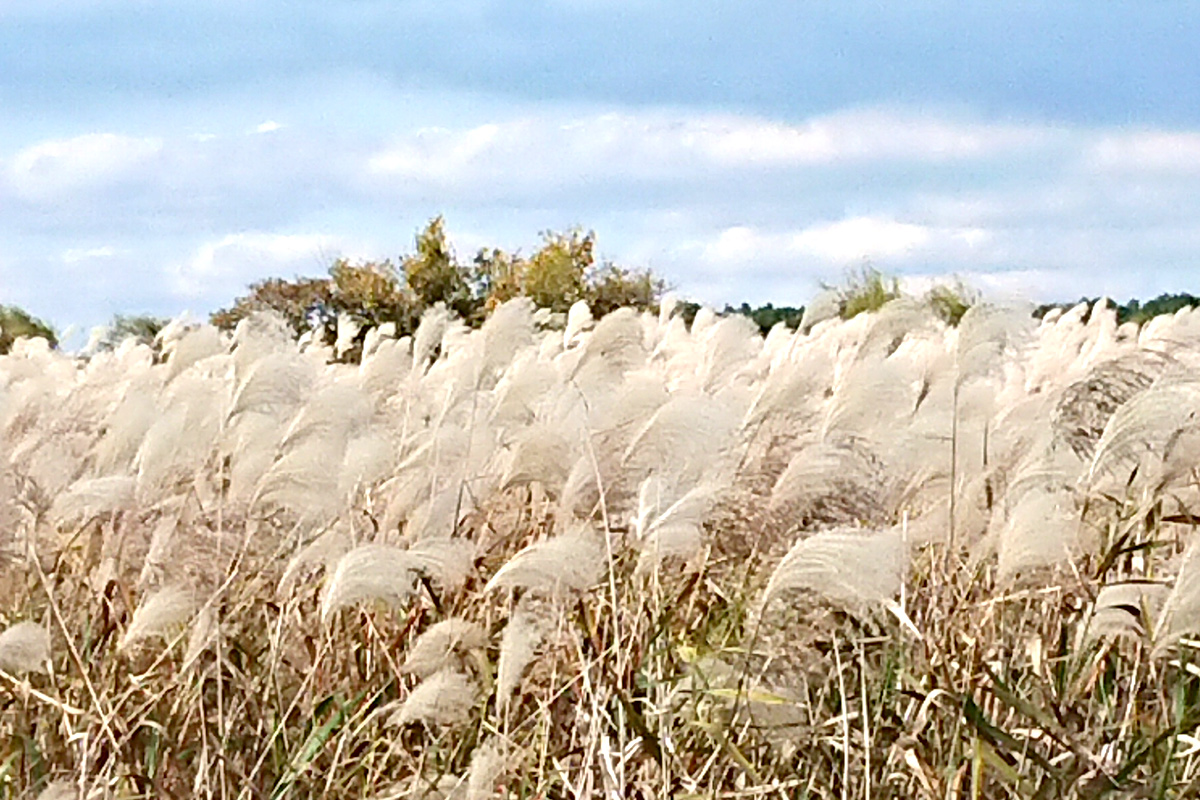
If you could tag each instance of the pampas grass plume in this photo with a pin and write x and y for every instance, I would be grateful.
(444, 699)
(24, 647)
(570, 562)
(370, 572)
(159, 614)
(852, 567)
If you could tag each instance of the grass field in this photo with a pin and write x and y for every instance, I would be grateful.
(880, 557)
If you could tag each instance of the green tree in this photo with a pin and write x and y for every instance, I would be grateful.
(17, 323)
(434, 276)
(610, 287)
(143, 327)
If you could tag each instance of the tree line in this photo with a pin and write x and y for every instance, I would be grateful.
(560, 272)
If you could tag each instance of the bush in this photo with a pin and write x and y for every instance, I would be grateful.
(865, 290)
(17, 323)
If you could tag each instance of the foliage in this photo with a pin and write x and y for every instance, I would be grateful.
(950, 302)
(560, 272)
(17, 323)
(768, 316)
(296, 301)
(140, 327)
(866, 289)
(434, 276)
(610, 287)
(1133, 311)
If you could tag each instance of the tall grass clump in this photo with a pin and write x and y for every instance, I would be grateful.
(900, 552)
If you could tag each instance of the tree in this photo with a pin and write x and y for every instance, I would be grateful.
(434, 276)
(17, 323)
(296, 301)
(142, 327)
(610, 287)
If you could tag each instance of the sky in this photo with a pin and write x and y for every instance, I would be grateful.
(157, 157)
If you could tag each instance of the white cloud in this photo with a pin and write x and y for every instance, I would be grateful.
(51, 168)
(77, 254)
(648, 145)
(842, 242)
(267, 127)
(222, 268)
(1148, 151)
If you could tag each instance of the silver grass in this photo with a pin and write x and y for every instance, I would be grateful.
(669, 522)
(59, 790)
(527, 628)
(444, 699)
(250, 442)
(570, 562)
(853, 568)
(1085, 407)
(205, 630)
(93, 497)
(729, 346)
(788, 389)
(839, 481)
(383, 368)
(1181, 610)
(435, 322)
(616, 344)
(507, 330)
(887, 327)
(162, 538)
(194, 346)
(442, 645)
(439, 515)
(305, 480)
(579, 319)
(336, 410)
(447, 562)
(1125, 609)
(522, 389)
(348, 329)
(323, 552)
(370, 572)
(1042, 530)
(985, 333)
(159, 614)
(125, 428)
(690, 429)
(275, 384)
(369, 459)
(184, 436)
(825, 306)
(542, 454)
(1139, 431)
(871, 397)
(24, 647)
(487, 768)
(374, 337)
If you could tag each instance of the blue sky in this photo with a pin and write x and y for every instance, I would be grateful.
(159, 156)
